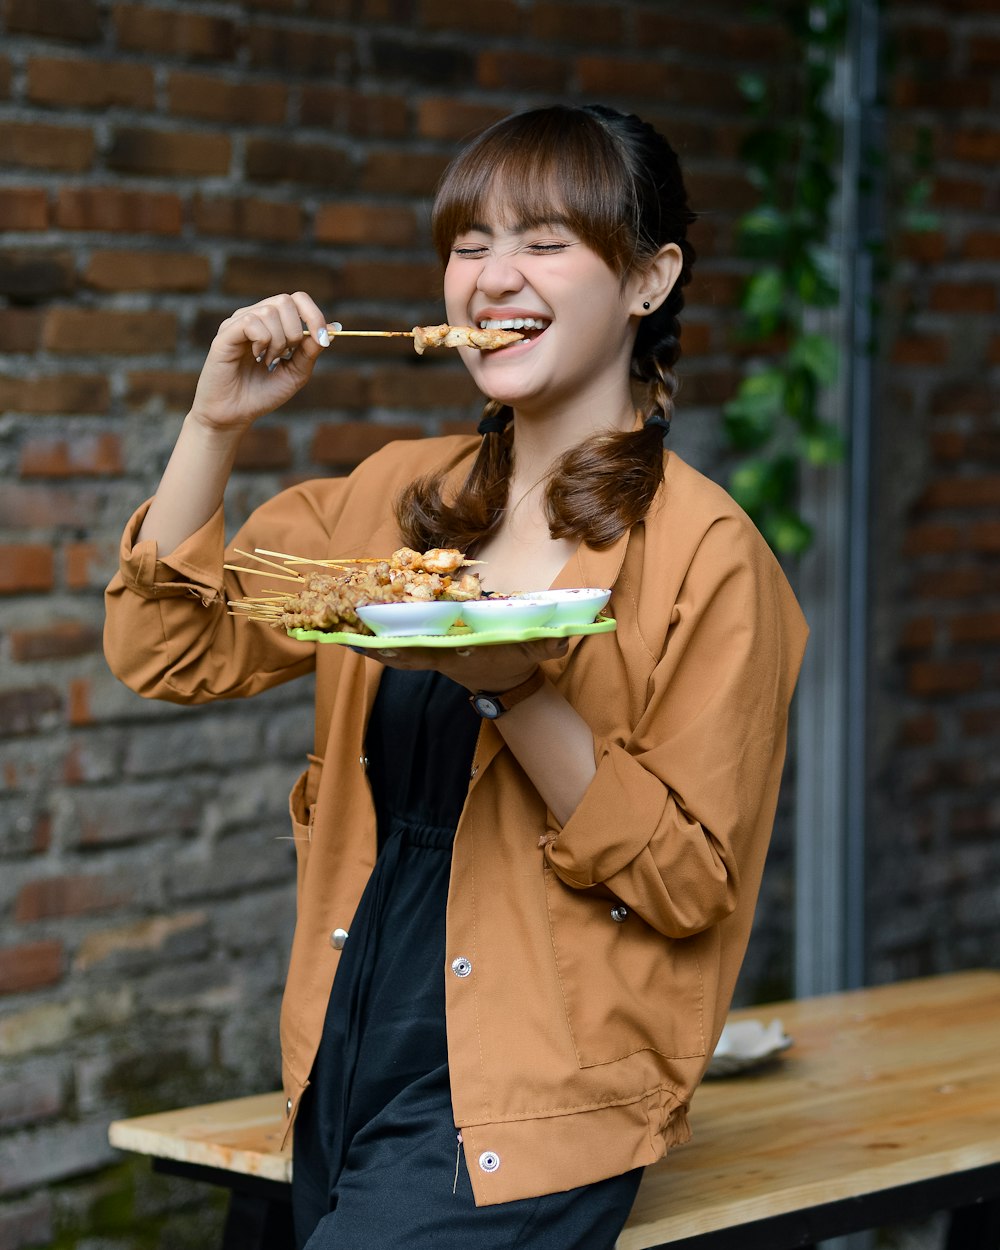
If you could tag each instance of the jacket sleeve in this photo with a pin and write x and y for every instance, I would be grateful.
(679, 805)
(168, 633)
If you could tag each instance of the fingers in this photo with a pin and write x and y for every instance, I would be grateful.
(275, 329)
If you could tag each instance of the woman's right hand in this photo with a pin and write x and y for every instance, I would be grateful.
(259, 358)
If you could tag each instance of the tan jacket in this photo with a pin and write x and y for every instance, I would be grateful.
(575, 1036)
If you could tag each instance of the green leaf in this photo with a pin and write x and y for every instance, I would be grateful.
(823, 445)
(764, 294)
(816, 354)
(750, 418)
(764, 232)
(787, 533)
(753, 87)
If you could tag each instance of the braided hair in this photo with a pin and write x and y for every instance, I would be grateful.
(617, 183)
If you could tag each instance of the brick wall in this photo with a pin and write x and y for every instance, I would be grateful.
(163, 163)
(935, 853)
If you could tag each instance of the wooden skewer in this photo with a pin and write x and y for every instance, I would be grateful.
(365, 334)
(286, 577)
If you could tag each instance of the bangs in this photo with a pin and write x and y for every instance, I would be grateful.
(553, 165)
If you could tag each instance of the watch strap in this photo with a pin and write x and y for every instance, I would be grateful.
(507, 699)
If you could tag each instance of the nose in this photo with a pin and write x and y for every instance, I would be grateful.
(499, 276)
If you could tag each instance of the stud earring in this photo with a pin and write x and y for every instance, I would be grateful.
(645, 304)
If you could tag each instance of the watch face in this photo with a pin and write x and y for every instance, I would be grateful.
(487, 706)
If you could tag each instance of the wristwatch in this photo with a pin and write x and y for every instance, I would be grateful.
(490, 705)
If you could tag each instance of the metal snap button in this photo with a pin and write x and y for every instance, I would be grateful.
(288, 1106)
(461, 966)
(363, 761)
(619, 913)
(489, 1161)
(337, 939)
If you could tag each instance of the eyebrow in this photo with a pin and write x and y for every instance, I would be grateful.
(521, 226)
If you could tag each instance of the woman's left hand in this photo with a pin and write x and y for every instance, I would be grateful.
(494, 667)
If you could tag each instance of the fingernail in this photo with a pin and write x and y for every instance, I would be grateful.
(273, 365)
(357, 650)
(259, 359)
(289, 354)
(388, 655)
(337, 327)
(323, 337)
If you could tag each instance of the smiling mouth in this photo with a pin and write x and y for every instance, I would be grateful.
(530, 327)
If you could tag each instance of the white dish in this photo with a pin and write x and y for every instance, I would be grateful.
(747, 1044)
(488, 615)
(393, 620)
(576, 606)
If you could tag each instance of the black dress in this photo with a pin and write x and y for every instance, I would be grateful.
(377, 1157)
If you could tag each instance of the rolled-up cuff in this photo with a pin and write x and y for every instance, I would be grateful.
(193, 567)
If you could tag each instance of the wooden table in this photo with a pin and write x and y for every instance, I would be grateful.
(886, 1109)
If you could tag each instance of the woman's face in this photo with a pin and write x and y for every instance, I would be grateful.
(542, 279)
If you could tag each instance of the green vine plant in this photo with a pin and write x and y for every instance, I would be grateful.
(774, 423)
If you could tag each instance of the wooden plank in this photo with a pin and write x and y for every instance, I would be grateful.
(884, 1087)
(241, 1135)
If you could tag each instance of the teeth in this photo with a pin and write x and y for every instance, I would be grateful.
(514, 323)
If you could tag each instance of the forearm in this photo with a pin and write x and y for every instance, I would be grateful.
(192, 485)
(555, 747)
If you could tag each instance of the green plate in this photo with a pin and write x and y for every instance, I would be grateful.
(457, 636)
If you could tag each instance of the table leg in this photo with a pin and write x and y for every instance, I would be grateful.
(977, 1226)
(255, 1223)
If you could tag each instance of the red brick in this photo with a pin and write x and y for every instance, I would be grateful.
(78, 710)
(349, 443)
(58, 641)
(69, 895)
(29, 1100)
(344, 111)
(20, 329)
(317, 164)
(332, 391)
(963, 492)
(289, 51)
(174, 390)
(170, 32)
(37, 145)
(919, 730)
(978, 145)
(985, 536)
(390, 280)
(920, 349)
(930, 43)
(31, 276)
(83, 330)
(919, 634)
(434, 64)
(944, 677)
(947, 446)
(442, 117)
(32, 505)
(931, 539)
(983, 51)
(248, 218)
(501, 70)
(981, 245)
(54, 393)
(602, 24)
(976, 627)
(4, 77)
(386, 225)
(981, 722)
(960, 193)
(29, 710)
(135, 150)
(257, 277)
(26, 567)
(927, 246)
(414, 386)
(54, 19)
(264, 448)
(964, 297)
(30, 966)
(144, 270)
(120, 212)
(994, 350)
(219, 99)
(963, 397)
(940, 93)
(87, 564)
(84, 455)
(90, 84)
(24, 208)
(500, 17)
(399, 172)
(955, 583)
(715, 191)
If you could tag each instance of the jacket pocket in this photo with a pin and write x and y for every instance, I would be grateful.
(625, 986)
(302, 811)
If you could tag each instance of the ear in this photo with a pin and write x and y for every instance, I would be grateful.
(656, 281)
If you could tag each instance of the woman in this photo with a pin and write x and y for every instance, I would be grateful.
(539, 919)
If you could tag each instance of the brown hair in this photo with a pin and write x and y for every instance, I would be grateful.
(616, 182)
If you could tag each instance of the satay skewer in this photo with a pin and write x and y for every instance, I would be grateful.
(437, 336)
